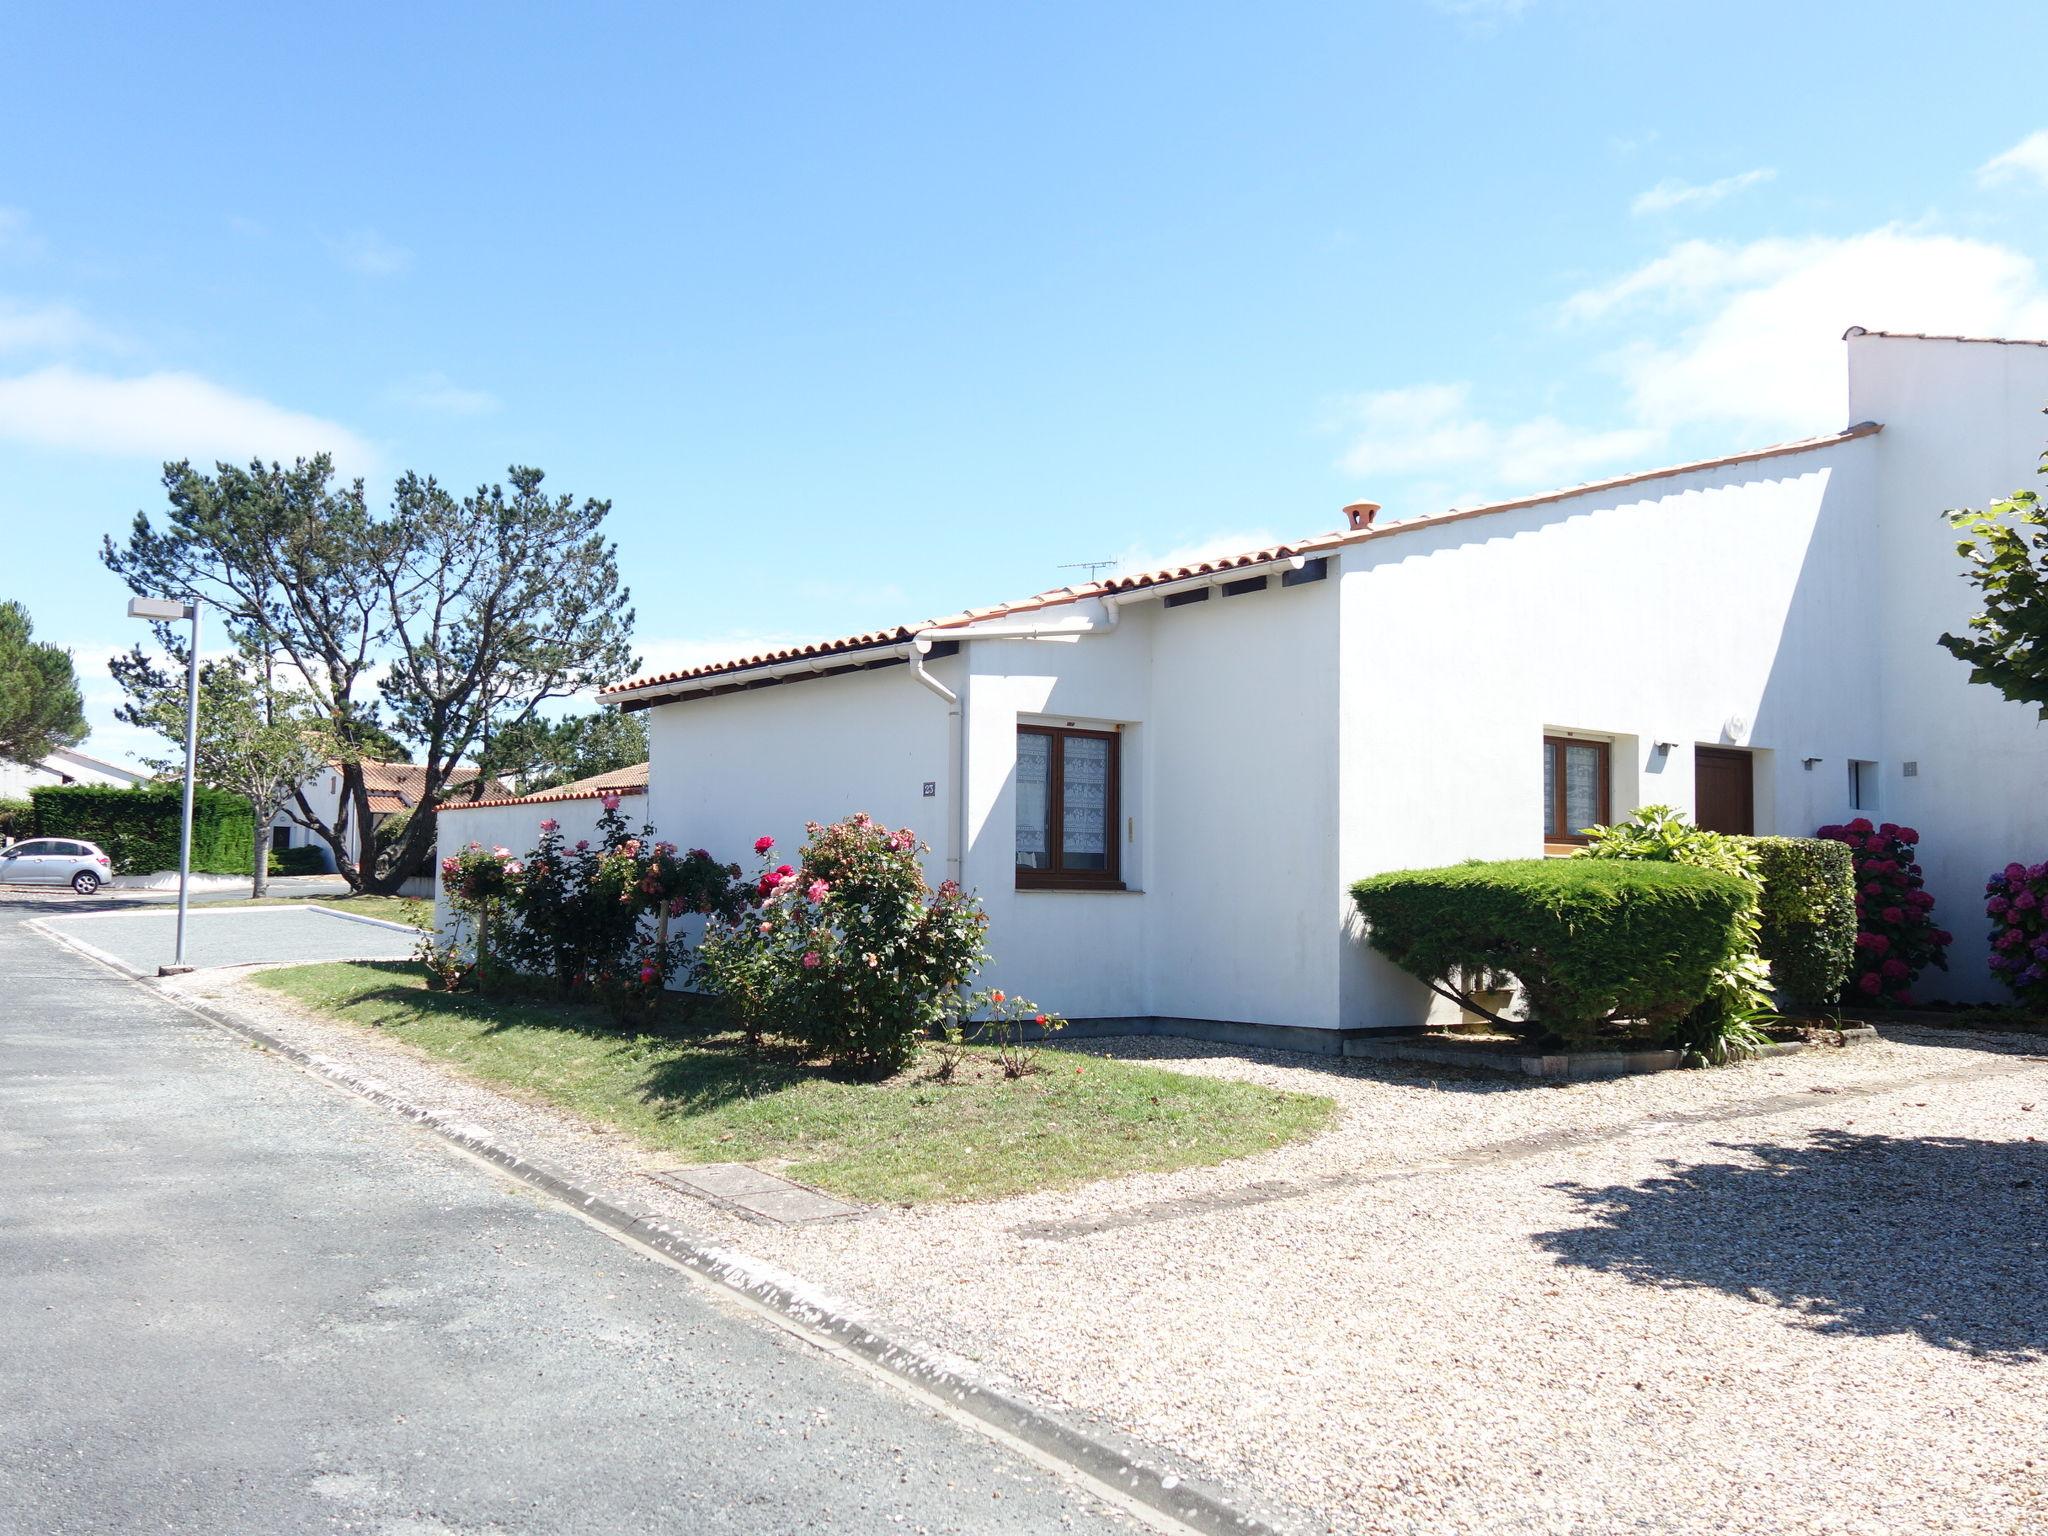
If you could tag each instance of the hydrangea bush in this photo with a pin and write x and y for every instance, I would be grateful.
(2016, 901)
(1896, 938)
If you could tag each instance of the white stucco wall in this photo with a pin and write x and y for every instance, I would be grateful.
(517, 827)
(1963, 428)
(1723, 607)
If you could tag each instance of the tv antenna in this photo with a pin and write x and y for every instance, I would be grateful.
(1090, 566)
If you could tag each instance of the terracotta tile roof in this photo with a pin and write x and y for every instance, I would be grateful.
(620, 781)
(1362, 529)
(399, 786)
(875, 639)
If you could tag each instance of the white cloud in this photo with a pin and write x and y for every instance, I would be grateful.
(678, 653)
(164, 415)
(1760, 346)
(1136, 559)
(441, 395)
(2025, 161)
(1670, 194)
(367, 252)
(1731, 341)
(1432, 429)
(48, 328)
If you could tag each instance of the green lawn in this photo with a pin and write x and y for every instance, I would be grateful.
(691, 1090)
(409, 910)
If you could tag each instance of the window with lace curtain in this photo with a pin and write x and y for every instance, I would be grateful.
(1067, 816)
(1575, 774)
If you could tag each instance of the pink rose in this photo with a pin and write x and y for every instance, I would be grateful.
(763, 844)
(647, 974)
(551, 825)
(583, 845)
(810, 960)
(610, 802)
(818, 891)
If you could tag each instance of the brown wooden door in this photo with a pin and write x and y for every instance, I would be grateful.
(1723, 790)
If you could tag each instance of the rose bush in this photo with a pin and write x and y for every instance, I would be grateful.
(577, 916)
(847, 950)
(2016, 901)
(1896, 938)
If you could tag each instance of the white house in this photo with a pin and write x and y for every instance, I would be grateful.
(393, 790)
(64, 766)
(1161, 785)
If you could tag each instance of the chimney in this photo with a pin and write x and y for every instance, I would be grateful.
(1360, 514)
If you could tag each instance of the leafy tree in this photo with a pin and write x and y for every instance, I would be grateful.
(257, 739)
(2006, 545)
(543, 754)
(442, 621)
(40, 706)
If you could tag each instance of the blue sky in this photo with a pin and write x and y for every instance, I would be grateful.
(865, 313)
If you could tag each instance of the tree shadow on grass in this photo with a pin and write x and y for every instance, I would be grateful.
(695, 1060)
(1942, 1237)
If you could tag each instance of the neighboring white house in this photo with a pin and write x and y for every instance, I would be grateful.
(393, 789)
(64, 766)
(514, 821)
(1161, 785)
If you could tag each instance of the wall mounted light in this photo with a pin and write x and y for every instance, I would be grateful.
(1808, 762)
(1662, 748)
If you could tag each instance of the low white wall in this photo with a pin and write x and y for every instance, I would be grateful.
(516, 826)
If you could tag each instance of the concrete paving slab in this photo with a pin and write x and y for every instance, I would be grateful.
(757, 1193)
(141, 941)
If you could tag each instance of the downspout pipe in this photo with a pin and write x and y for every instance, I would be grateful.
(956, 758)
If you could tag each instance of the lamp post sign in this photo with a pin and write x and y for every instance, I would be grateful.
(164, 610)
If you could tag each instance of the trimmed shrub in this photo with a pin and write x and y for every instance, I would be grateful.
(1808, 908)
(306, 859)
(1896, 938)
(17, 820)
(2016, 901)
(138, 827)
(1591, 941)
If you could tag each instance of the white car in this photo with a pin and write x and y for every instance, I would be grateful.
(55, 861)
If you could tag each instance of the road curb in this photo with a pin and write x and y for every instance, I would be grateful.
(1138, 1473)
(357, 917)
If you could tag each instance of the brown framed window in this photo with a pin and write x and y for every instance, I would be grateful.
(1067, 815)
(1575, 778)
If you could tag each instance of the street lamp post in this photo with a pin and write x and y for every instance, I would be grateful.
(164, 610)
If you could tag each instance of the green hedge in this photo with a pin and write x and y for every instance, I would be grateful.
(1808, 905)
(138, 828)
(17, 819)
(1590, 940)
(306, 859)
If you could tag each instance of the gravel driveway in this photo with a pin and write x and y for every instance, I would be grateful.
(1797, 1296)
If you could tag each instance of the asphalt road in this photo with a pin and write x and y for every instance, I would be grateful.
(233, 1300)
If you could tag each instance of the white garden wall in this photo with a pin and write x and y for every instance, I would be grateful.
(516, 825)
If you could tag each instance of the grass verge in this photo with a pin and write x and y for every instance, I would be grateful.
(689, 1088)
